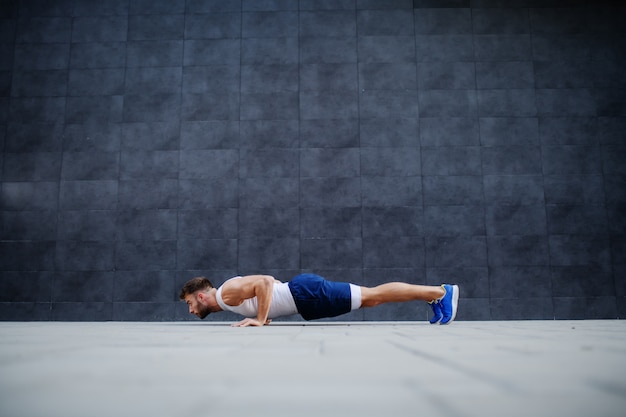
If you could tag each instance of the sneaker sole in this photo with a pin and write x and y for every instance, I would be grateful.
(455, 303)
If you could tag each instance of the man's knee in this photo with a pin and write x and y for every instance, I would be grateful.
(370, 297)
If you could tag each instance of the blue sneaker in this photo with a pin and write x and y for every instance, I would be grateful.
(437, 310)
(449, 303)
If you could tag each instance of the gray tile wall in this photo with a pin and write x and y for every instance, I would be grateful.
(145, 142)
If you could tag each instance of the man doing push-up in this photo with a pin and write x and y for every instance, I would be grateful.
(261, 298)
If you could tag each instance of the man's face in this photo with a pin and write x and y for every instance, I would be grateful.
(196, 305)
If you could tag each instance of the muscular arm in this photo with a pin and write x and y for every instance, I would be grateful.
(236, 291)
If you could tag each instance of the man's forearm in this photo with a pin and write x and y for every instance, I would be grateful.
(264, 291)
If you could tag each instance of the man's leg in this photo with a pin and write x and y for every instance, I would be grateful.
(442, 299)
(396, 292)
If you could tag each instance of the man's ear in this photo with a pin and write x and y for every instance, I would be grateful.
(203, 295)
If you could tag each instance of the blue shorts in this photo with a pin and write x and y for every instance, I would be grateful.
(317, 298)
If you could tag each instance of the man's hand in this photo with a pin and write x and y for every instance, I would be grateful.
(247, 322)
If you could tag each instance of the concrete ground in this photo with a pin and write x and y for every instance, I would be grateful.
(523, 368)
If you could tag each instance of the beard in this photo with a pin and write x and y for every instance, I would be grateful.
(203, 311)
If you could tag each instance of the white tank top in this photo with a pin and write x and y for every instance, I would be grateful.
(282, 302)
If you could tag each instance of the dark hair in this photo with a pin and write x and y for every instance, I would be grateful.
(193, 285)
